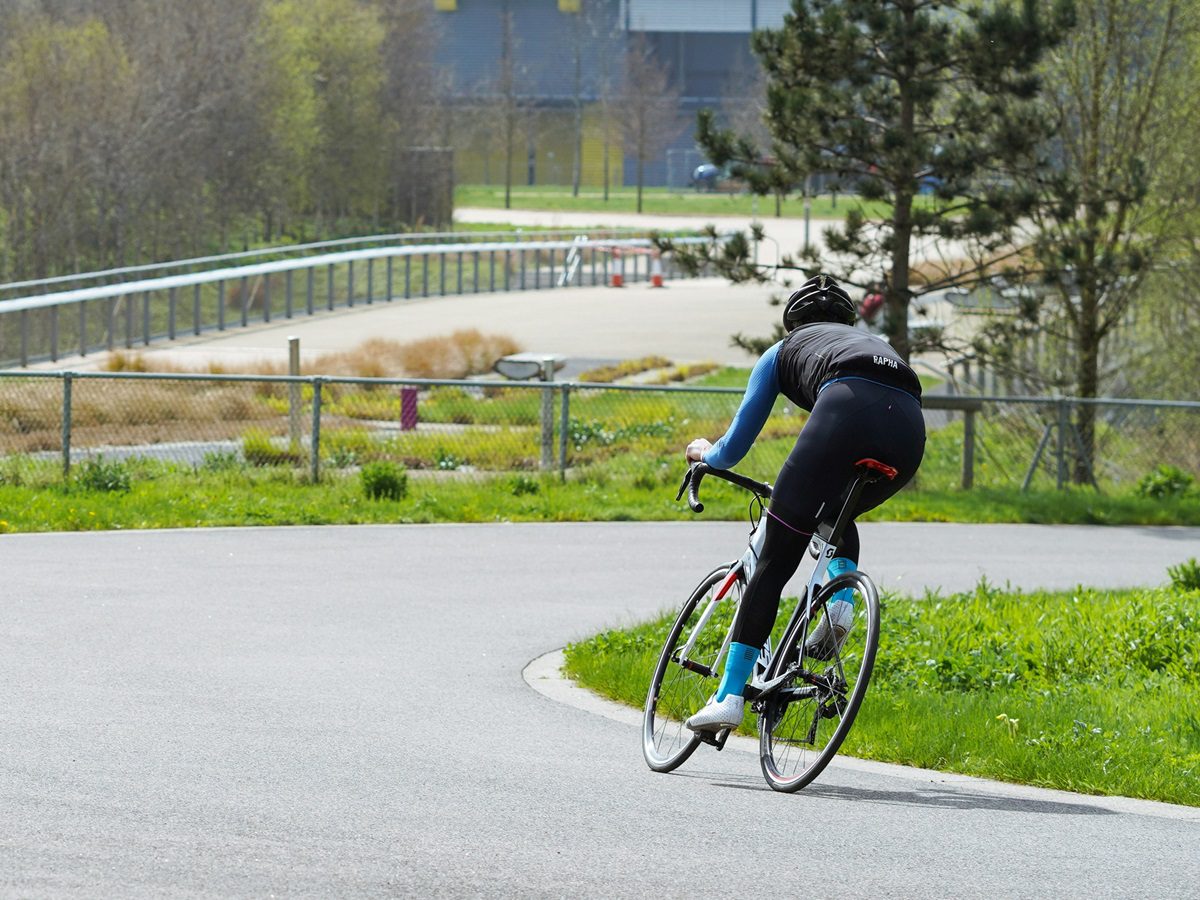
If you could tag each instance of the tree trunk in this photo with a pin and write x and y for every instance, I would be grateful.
(895, 319)
(508, 161)
(640, 166)
(606, 158)
(1087, 383)
(577, 165)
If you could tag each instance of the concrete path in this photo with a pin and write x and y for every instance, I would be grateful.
(340, 711)
(687, 321)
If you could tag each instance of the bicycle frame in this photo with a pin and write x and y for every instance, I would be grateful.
(822, 547)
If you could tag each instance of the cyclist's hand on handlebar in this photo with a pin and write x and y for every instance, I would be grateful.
(696, 449)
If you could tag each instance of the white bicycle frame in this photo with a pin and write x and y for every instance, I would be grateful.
(818, 548)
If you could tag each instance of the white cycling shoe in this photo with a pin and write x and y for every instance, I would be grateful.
(717, 716)
(838, 618)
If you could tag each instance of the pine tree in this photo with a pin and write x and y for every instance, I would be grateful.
(896, 98)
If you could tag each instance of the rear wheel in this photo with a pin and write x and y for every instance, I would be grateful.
(802, 723)
(681, 687)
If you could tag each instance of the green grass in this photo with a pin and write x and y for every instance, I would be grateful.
(661, 201)
(1089, 691)
(628, 487)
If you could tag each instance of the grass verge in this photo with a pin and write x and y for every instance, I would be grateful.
(666, 201)
(225, 490)
(1088, 691)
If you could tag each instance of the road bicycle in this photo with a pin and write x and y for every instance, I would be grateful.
(806, 691)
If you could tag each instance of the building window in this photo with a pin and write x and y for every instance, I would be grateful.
(569, 6)
(445, 5)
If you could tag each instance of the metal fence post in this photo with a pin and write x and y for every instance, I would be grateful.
(563, 426)
(294, 393)
(315, 447)
(66, 425)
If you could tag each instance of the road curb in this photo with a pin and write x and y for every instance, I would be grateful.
(544, 675)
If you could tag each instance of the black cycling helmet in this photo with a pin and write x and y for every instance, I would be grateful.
(820, 299)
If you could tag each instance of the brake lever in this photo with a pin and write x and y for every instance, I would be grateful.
(683, 485)
(691, 483)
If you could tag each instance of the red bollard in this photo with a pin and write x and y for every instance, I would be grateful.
(408, 408)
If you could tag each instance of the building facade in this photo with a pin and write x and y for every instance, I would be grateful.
(552, 72)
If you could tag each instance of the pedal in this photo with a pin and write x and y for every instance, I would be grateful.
(715, 738)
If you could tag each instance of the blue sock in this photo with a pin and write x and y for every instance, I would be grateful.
(739, 663)
(841, 566)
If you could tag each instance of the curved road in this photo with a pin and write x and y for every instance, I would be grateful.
(340, 711)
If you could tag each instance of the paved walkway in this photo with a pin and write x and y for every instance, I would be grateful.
(340, 712)
(687, 321)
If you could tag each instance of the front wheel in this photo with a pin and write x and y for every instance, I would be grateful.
(681, 686)
(802, 724)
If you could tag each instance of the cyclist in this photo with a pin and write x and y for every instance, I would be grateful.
(864, 401)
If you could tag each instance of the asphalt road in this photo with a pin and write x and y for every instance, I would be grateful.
(341, 712)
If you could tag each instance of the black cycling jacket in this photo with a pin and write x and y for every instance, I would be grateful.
(815, 354)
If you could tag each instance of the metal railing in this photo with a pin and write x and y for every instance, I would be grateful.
(14, 289)
(482, 428)
(47, 327)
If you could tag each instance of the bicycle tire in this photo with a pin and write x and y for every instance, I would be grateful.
(802, 725)
(675, 692)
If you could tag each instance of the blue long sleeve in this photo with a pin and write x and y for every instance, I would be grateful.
(761, 392)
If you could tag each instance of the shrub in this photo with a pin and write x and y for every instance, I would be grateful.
(609, 374)
(98, 475)
(259, 450)
(524, 484)
(1185, 576)
(221, 461)
(465, 352)
(384, 480)
(1165, 481)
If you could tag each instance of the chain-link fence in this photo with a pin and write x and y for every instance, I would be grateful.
(476, 429)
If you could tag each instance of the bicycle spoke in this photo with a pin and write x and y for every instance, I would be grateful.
(677, 690)
(804, 731)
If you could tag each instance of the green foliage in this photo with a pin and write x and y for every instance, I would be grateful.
(98, 475)
(258, 448)
(383, 480)
(1082, 690)
(1165, 481)
(221, 461)
(1186, 575)
(895, 99)
(233, 120)
(582, 433)
(524, 485)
